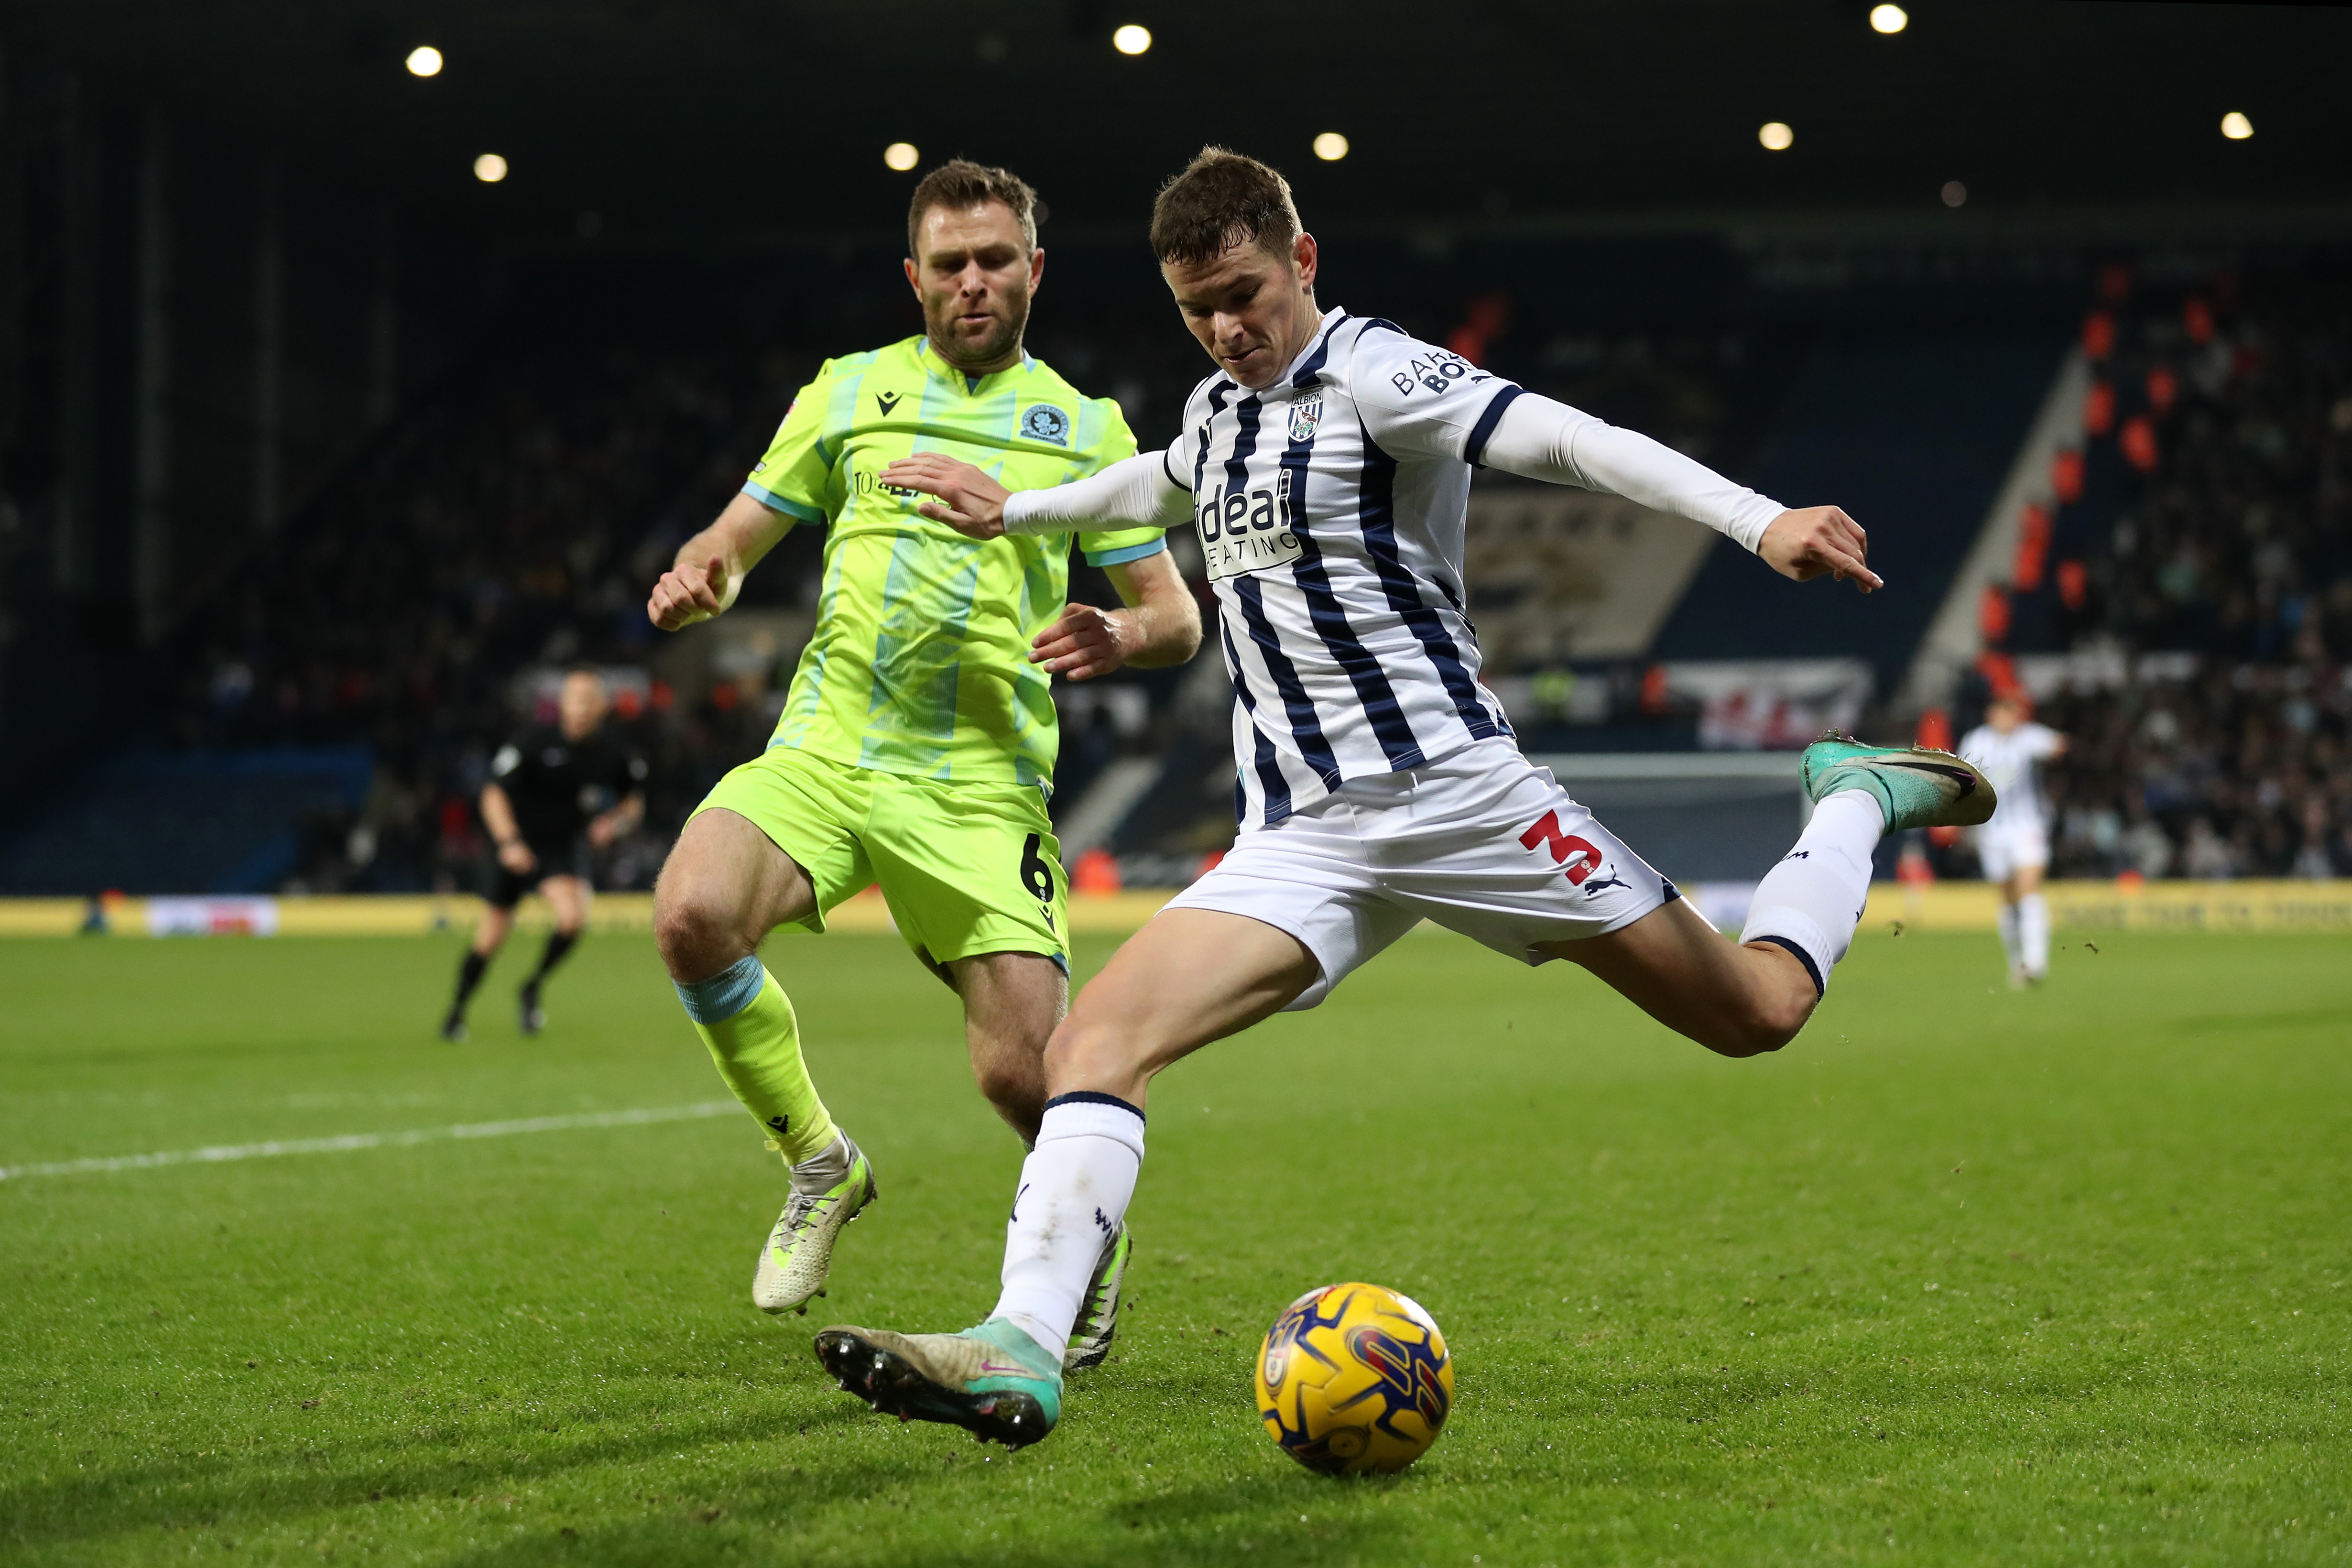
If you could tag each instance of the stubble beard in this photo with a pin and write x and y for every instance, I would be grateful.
(1002, 342)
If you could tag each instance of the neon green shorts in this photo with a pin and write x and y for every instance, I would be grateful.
(966, 868)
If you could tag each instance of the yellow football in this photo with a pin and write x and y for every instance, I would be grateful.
(1354, 1378)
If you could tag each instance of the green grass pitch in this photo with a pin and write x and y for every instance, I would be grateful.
(1959, 1277)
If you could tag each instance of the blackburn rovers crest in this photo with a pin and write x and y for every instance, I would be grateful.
(1303, 417)
(1044, 422)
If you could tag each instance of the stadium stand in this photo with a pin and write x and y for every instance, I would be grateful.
(507, 522)
(2196, 568)
(1911, 434)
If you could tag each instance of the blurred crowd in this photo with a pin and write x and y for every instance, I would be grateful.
(2242, 771)
(512, 527)
(2208, 513)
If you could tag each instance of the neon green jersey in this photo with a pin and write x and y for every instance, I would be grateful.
(919, 664)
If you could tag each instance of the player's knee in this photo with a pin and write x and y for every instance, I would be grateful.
(1009, 1086)
(1763, 1025)
(696, 937)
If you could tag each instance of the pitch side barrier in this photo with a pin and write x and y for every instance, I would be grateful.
(2089, 907)
(421, 914)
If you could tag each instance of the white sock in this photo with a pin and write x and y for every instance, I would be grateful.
(2033, 934)
(1074, 1187)
(2008, 921)
(1810, 902)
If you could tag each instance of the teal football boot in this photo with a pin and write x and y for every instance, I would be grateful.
(1915, 786)
(994, 1381)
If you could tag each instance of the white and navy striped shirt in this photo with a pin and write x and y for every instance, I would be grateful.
(1330, 507)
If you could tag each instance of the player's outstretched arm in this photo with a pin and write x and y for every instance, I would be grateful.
(1539, 438)
(967, 499)
(1135, 492)
(708, 571)
(1160, 626)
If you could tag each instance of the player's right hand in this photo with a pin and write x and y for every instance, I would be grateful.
(970, 501)
(516, 857)
(1819, 540)
(688, 593)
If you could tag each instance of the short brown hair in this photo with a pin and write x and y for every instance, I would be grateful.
(959, 182)
(1220, 199)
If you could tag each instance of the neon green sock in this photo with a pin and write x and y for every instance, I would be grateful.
(746, 1019)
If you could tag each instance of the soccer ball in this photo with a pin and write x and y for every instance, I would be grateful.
(1354, 1378)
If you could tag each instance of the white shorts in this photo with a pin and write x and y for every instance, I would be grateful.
(2003, 851)
(1482, 842)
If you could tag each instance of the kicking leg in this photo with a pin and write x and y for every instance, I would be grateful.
(725, 886)
(1754, 997)
(1736, 1000)
(567, 898)
(1146, 1010)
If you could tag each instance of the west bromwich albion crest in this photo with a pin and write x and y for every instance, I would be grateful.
(1303, 417)
(1044, 422)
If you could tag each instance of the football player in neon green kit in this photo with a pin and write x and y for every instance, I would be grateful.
(918, 740)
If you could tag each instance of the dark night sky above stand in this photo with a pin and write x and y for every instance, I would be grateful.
(742, 118)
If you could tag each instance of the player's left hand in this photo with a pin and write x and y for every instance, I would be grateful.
(970, 501)
(1812, 540)
(604, 830)
(1086, 642)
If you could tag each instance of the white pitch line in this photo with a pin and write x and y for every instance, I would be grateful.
(221, 1154)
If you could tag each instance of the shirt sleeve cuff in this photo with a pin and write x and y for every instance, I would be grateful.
(1473, 451)
(1126, 554)
(774, 502)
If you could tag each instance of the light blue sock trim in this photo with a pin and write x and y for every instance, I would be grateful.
(725, 994)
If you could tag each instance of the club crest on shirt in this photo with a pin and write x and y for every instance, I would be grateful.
(1044, 422)
(1303, 417)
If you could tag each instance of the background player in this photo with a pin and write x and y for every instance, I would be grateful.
(1328, 465)
(918, 741)
(556, 792)
(2013, 845)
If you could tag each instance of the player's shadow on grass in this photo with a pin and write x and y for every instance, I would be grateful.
(1253, 1520)
(225, 1493)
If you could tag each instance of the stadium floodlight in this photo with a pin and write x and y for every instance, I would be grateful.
(1955, 194)
(1330, 146)
(490, 168)
(424, 60)
(1131, 39)
(901, 155)
(1889, 19)
(2236, 126)
(1776, 136)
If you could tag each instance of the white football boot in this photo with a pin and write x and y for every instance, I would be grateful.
(799, 1251)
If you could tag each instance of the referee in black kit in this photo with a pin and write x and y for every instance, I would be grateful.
(555, 793)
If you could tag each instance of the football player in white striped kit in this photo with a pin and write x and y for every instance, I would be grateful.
(1327, 465)
(2013, 845)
